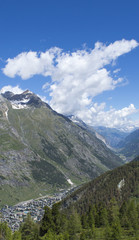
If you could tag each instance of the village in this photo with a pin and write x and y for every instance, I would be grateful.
(15, 215)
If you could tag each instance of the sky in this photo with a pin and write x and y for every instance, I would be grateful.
(80, 56)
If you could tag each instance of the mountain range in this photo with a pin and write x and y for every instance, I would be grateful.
(42, 151)
(112, 135)
(125, 144)
(129, 147)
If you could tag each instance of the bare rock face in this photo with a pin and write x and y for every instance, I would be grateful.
(42, 150)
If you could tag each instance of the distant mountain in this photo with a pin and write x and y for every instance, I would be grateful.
(129, 147)
(112, 135)
(121, 183)
(43, 151)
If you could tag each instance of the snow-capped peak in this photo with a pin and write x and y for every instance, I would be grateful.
(24, 100)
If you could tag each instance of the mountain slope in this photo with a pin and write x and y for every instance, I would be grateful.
(129, 147)
(41, 150)
(112, 135)
(121, 183)
(88, 128)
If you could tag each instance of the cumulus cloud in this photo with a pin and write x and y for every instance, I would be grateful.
(98, 116)
(28, 64)
(15, 90)
(76, 77)
(117, 70)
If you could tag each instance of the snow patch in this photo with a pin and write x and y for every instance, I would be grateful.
(70, 182)
(121, 184)
(74, 119)
(100, 137)
(24, 100)
(6, 113)
(103, 140)
(20, 104)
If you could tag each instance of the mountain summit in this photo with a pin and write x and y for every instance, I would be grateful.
(41, 150)
(24, 100)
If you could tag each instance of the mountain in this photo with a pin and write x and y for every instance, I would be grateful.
(112, 136)
(129, 147)
(121, 183)
(43, 151)
(90, 129)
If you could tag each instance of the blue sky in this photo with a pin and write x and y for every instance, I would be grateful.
(80, 56)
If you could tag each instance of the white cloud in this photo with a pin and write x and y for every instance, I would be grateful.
(43, 98)
(117, 70)
(77, 77)
(28, 64)
(15, 90)
(98, 116)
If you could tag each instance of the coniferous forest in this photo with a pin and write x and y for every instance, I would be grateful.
(100, 222)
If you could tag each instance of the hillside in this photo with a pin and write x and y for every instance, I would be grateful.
(121, 183)
(129, 147)
(112, 135)
(42, 151)
(92, 212)
(88, 128)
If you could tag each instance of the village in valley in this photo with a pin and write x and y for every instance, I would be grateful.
(15, 215)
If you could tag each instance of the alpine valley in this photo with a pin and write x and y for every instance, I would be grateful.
(42, 151)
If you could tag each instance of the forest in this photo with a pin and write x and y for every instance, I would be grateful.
(109, 222)
(99, 210)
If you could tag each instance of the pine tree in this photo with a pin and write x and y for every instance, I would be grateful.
(5, 232)
(113, 210)
(103, 218)
(56, 218)
(107, 232)
(91, 219)
(74, 225)
(116, 230)
(46, 222)
(84, 221)
(48, 236)
(133, 215)
(29, 230)
(16, 235)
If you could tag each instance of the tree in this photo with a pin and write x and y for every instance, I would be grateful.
(56, 216)
(16, 235)
(48, 236)
(133, 215)
(5, 232)
(113, 210)
(74, 225)
(29, 230)
(116, 230)
(107, 232)
(91, 219)
(84, 221)
(103, 218)
(46, 222)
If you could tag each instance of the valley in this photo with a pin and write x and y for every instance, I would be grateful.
(41, 150)
(51, 164)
